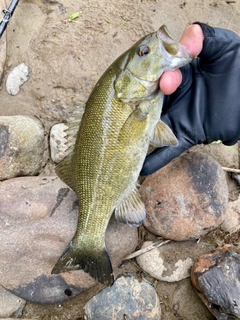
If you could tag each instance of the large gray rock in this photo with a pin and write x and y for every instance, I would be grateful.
(128, 298)
(10, 305)
(38, 220)
(21, 146)
(187, 198)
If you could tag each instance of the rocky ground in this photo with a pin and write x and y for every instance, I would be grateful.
(65, 56)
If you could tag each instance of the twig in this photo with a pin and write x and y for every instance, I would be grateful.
(231, 169)
(144, 250)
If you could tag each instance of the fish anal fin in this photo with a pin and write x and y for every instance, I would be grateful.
(96, 263)
(163, 136)
(64, 171)
(132, 210)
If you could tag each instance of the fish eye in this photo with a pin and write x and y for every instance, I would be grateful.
(143, 51)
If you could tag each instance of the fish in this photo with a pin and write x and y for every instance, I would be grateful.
(120, 121)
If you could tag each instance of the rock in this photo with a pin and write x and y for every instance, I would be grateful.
(216, 278)
(16, 78)
(173, 261)
(232, 218)
(128, 298)
(21, 146)
(186, 199)
(10, 305)
(58, 141)
(38, 220)
(227, 156)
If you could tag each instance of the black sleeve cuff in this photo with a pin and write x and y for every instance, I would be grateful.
(207, 30)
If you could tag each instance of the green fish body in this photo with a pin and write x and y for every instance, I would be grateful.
(121, 119)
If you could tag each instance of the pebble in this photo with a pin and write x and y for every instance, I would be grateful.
(10, 305)
(128, 298)
(16, 78)
(172, 261)
(216, 278)
(21, 146)
(58, 141)
(38, 220)
(232, 219)
(186, 199)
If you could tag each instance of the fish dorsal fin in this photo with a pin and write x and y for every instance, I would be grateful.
(163, 136)
(64, 171)
(132, 210)
(73, 126)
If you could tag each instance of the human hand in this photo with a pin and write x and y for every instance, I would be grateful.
(192, 39)
(204, 101)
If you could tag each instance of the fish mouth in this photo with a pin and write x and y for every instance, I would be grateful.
(172, 48)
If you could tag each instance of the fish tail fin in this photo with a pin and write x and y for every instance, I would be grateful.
(95, 262)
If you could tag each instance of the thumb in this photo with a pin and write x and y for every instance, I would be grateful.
(161, 157)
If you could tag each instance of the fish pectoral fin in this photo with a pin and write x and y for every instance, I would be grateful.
(132, 210)
(163, 136)
(64, 171)
(97, 263)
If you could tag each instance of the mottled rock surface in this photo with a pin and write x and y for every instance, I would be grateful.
(16, 78)
(21, 146)
(128, 298)
(187, 198)
(216, 279)
(38, 220)
(232, 219)
(10, 305)
(172, 261)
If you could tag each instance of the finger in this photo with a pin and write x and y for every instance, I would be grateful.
(170, 81)
(192, 39)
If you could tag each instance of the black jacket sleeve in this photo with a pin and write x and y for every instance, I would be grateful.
(206, 107)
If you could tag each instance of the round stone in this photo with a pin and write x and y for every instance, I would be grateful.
(187, 198)
(16, 78)
(128, 298)
(21, 146)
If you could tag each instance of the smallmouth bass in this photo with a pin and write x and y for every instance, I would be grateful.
(121, 119)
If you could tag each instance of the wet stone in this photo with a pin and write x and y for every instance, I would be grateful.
(128, 298)
(21, 146)
(216, 279)
(16, 78)
(38, 219)
(187, 198)
(172, 261)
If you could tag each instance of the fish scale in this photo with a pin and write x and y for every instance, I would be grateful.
(121, 118)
